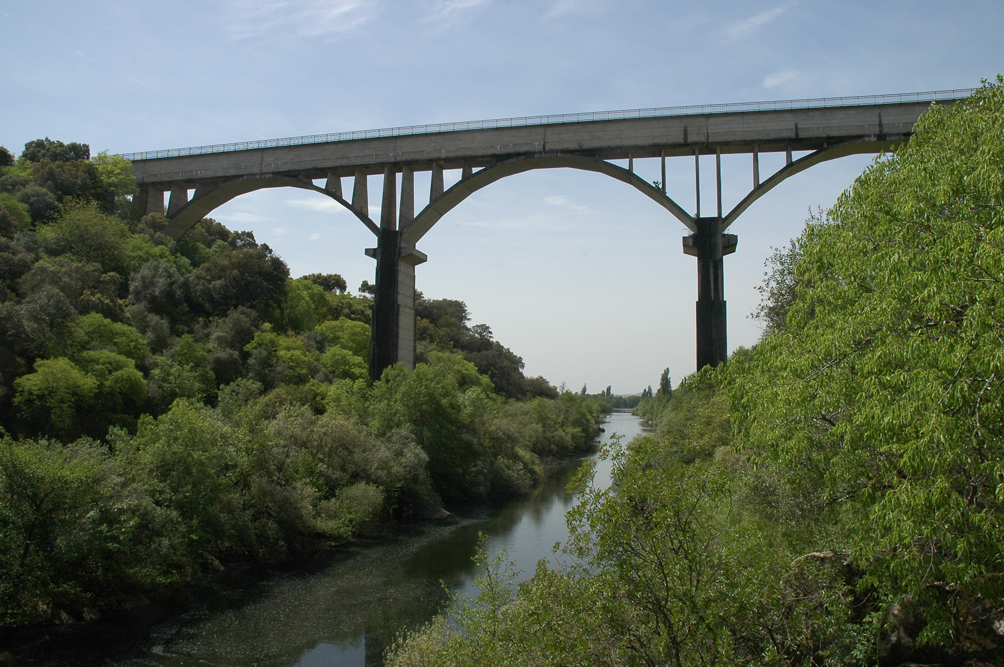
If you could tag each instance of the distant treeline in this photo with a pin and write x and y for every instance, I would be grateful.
(606, 401)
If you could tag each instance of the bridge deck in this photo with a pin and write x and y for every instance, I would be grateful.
(798, 129)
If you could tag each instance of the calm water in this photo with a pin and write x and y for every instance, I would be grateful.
(344, 611)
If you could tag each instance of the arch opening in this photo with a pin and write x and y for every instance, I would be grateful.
(205, 202)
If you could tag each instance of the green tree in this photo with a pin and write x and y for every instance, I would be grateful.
(116, 173)
(348, 334)
(239, 273)
(883, 391)
(343, 365)
(97, 332)
(14, 215)
(160, 288)
(89, 235)
(55, 151)
(304, 306)
(83, 285)
(54, 395)
(329, 282)
(665, 385)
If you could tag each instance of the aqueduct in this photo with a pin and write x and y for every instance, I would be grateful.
(486, 151)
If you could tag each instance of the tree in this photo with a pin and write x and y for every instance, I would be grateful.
(444, 313)
(96, 332)
(343, 365)
(55, 151)
(665, 385)
(353, 336)
(482, 331)
(15, 215)
(329, 282)
(116, 173)
(883, 392)
(90, 236)
(14, 262)
(83, 285)
(239, 273)
(498, 362)
(160, 288)
(40, 202)
(304, 306)
(54, 395)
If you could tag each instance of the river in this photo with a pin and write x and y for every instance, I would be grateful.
(341, 612)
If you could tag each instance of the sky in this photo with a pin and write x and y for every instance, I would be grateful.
(580, 275)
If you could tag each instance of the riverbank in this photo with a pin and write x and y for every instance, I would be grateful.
(346, 604)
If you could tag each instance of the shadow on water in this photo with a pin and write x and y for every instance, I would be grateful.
(343, 611)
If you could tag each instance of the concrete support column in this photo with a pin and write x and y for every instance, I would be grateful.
(393, 327)
(410, 257)
(148, 200)
(360, 194)
(384, 326)
(179, 197)
(436, 186)
(709, 245)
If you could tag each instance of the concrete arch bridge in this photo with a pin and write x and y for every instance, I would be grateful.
(200, 179)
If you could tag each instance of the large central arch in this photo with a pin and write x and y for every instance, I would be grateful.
(400, 229)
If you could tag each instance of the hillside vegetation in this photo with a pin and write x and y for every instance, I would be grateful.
(173, 406)
(832, 496)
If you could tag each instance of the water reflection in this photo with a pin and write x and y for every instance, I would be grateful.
(345, 611)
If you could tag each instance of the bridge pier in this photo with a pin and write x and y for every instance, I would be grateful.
(393, 325)
(709, 245)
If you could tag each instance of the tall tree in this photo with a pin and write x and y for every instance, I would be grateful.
(883, 394)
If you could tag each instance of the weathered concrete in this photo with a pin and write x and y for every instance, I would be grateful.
(709, 245)
(223, 176)
(486, 155)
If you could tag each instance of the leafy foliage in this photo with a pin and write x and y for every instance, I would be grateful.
(169, 406)
(834, 495)
(883, 388)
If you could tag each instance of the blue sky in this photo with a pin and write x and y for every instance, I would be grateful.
(580, 275)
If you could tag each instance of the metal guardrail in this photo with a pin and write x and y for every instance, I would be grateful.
(589, 117)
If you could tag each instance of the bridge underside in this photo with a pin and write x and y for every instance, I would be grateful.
(484, 157)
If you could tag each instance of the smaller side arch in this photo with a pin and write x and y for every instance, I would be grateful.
(203, 204)
(432, 213)
(859, 147)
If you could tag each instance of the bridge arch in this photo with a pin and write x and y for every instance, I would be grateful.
(413, 232)
(208, 199)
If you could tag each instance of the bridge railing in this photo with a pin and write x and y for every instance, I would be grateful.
(592, 116)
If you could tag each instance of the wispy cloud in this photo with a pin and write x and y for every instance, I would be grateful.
(561, 201)
(306, 18)
(563, 7)
(757, 21)
(779, 78)
(444, 14)
(317, 204)
(241, 216)
(441, 8)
